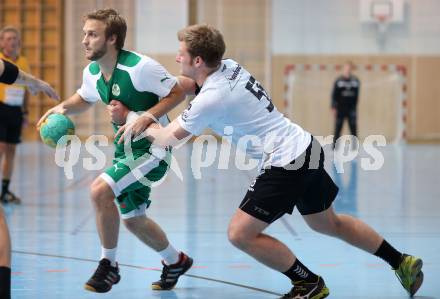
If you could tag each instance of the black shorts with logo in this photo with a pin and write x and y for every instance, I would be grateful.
(11, 122)
(303, 183)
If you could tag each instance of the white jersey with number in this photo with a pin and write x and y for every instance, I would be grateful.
(232, 103)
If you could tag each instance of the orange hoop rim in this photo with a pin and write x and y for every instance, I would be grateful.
(382, 18)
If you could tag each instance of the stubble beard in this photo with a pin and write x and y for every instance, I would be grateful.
(98, 54)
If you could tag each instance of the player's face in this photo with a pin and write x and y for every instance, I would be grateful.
(185, 60)
(94, 40)
(10, 43)
(347, 69)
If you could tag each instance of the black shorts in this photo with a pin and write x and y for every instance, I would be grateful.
(11, 122)
(303, 183)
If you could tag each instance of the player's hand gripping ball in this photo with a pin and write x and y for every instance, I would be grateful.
(54, 128)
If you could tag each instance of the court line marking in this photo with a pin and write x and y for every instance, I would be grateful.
(143, 268)
(83, 222)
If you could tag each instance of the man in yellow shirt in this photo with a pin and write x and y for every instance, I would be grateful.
(9, 73)
(13, 110)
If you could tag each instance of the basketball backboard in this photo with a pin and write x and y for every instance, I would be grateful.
(379, 11)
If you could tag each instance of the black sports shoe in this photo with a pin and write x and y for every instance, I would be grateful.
(171, 273)
(9, 197)
(104, 277)
(308, 290)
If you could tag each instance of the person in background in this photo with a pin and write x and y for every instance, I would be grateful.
(13, 110)
(344, 102)
(9, 73)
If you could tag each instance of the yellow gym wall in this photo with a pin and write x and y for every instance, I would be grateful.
(41, 28)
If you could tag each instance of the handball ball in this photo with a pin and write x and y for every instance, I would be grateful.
(54, 128)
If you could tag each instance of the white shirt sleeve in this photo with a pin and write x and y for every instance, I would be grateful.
(88, 90)
(153, 77)
(204, 110)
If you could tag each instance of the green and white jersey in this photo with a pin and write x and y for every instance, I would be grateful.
(138, 81)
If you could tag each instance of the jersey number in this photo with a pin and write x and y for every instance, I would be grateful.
(258, 91)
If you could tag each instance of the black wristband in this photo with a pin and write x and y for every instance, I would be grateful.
(10, 73)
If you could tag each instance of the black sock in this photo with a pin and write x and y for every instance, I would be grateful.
(389, 254)
(5, 186)
(5, 283)
(300, 272)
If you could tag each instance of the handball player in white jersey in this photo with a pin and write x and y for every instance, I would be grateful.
(292, 164)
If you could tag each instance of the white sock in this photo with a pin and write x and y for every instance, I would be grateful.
(109, 254)
(170, 255)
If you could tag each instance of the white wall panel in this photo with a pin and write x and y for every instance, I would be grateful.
(334, 27)
(157, 23)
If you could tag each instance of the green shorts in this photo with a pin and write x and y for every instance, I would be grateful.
(131, 179)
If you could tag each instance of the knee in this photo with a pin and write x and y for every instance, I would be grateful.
(238, 237)
(339, 121)
(331, 227)
(95, 189)
(100, 192)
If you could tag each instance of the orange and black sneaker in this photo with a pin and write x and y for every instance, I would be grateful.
(171, 273)
(104, 277)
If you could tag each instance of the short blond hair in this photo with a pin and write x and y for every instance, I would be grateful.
(9, 29)
(349, 63)
(114, 24)
(204, 41)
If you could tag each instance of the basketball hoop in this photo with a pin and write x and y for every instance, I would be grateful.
(382, 21)
(382, 14)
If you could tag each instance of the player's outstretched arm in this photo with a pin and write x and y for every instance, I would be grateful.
(36, 85)
(9, 73)
(74, 104)
(171, 135)
(167, 103)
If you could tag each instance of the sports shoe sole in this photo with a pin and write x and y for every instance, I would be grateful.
(417, 284)
(324, 293)
(155, 287)
(92, 289)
